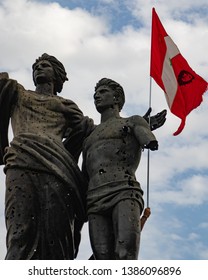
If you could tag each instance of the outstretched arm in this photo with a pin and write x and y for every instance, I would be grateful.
(157, 120)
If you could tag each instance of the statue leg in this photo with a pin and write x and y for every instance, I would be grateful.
(101, 236)
(126, 218)
(39, 217)
(20, 215)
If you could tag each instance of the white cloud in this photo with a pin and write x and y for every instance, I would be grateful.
(203, 225)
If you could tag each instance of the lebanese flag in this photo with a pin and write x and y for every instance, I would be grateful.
(183, 88)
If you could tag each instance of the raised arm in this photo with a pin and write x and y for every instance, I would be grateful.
(8, 95)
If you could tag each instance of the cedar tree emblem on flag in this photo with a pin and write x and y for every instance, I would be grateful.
(183, 88)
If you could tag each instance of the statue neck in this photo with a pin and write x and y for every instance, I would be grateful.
(109, 114)
(46, 88)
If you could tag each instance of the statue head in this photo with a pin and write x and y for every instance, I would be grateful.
(59, 70)
(116, 87)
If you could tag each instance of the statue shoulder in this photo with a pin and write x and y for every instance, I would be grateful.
(137, 120)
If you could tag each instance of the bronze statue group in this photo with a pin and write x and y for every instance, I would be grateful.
(48, 197)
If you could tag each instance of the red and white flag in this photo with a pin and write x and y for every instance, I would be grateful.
(182, 86)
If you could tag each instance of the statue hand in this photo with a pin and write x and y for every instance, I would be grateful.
(157, 120)
(153, 145)
(147, 212)
(4, 75)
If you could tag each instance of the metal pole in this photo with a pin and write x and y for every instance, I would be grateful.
(148, 152)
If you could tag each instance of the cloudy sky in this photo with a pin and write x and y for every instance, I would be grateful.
(111, 38)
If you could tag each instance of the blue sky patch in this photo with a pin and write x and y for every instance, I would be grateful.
(117, 13)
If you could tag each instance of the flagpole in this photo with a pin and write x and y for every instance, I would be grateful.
(148, 151)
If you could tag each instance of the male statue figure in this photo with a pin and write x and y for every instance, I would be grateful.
(111, 155)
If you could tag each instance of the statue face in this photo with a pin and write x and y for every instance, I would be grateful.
(104, 98)
(43, 72)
